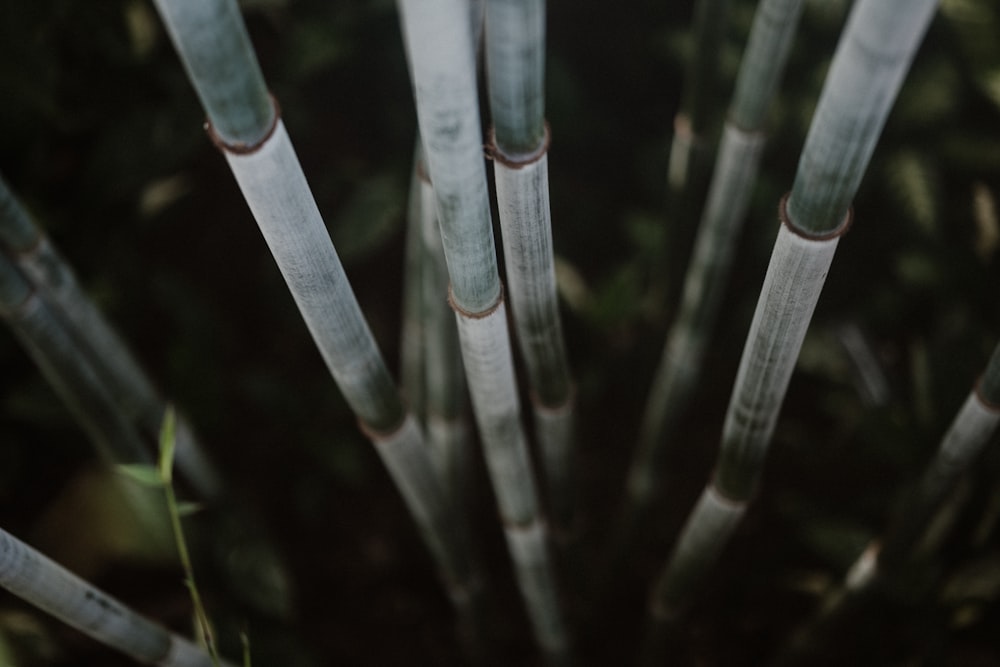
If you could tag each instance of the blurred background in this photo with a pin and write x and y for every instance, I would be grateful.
(101, 137)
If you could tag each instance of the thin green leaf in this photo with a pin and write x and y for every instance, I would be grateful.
(144, 474)
(167, 444)
(188, 508)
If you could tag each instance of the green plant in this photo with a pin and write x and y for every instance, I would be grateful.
(106, 151)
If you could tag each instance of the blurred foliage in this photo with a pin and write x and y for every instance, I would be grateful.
(103, 142)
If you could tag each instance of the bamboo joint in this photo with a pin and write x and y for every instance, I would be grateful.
(245, 149)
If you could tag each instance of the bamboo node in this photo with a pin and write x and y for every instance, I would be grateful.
(483, 314)
(493, 151)
(560, 409)
(19, 310)
(381, 437)
(988, 404)
(241, 148)
(812, 236)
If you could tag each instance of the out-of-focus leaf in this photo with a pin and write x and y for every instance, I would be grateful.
(144, 474)
(914, 183)
(370, 218)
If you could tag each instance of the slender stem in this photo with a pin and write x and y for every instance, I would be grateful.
(733, 180)
(441, 58)
(515, 58)
(31, 576)
(801, 258)
(212, 42)
(95, 342)
(168, 443)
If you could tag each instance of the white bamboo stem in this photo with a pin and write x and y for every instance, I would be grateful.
(489, 368)
(40, 581)
(707, 531)
(704, 287)
(795, 277)
(528, 545)
(872, 59)
(96, 343)
(279, 197)
(405, 455)
(442, 57)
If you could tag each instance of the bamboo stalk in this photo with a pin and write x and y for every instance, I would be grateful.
(441, 56)
(446, 425)
(211, 40)
(515, 58)
(690, 150)
(972, 428)
(412, 339)
(41, 333)
(733, 180)
(871, 60)
(52, 588)
(95, 341)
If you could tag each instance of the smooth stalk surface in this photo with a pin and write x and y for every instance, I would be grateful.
(211, 39)
(873, 56)
(96, 343)
(515, 61)
(442, 58)
(31, 576)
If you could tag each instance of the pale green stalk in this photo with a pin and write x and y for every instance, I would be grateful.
(872, 58)
(970, 431)
(515, 60)
(733, 180)
(211, 40)
(446, 425)
(95, 341)
(412, 337)
(689, 151)
(39, 329)
(43, 583)
(441, 56)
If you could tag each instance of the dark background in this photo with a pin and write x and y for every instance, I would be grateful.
(100, 135)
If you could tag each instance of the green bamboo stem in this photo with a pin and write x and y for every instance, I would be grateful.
(873, 56)
(412, 336)
(515, 58)
(689, 149)
(447, 429)
(970, 431)
(441, 57)
(47, 585)
(211, 40)
(972, 428)
(733, 180)
(42, 334)
(96, 341)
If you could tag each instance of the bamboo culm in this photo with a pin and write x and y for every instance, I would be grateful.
(244, 121)
(875, 41)
(732, 184)
(688, 149)
(96, 342)
(47, 585)
(515, 59)
(446, 425)
(441, 57)
(43, 335)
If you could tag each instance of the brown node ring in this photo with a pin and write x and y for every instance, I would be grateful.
(827, 236)
(245, 149)
(377, 436)
(481, 314)
(989, 405)
(494, 153)
(562, 408)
